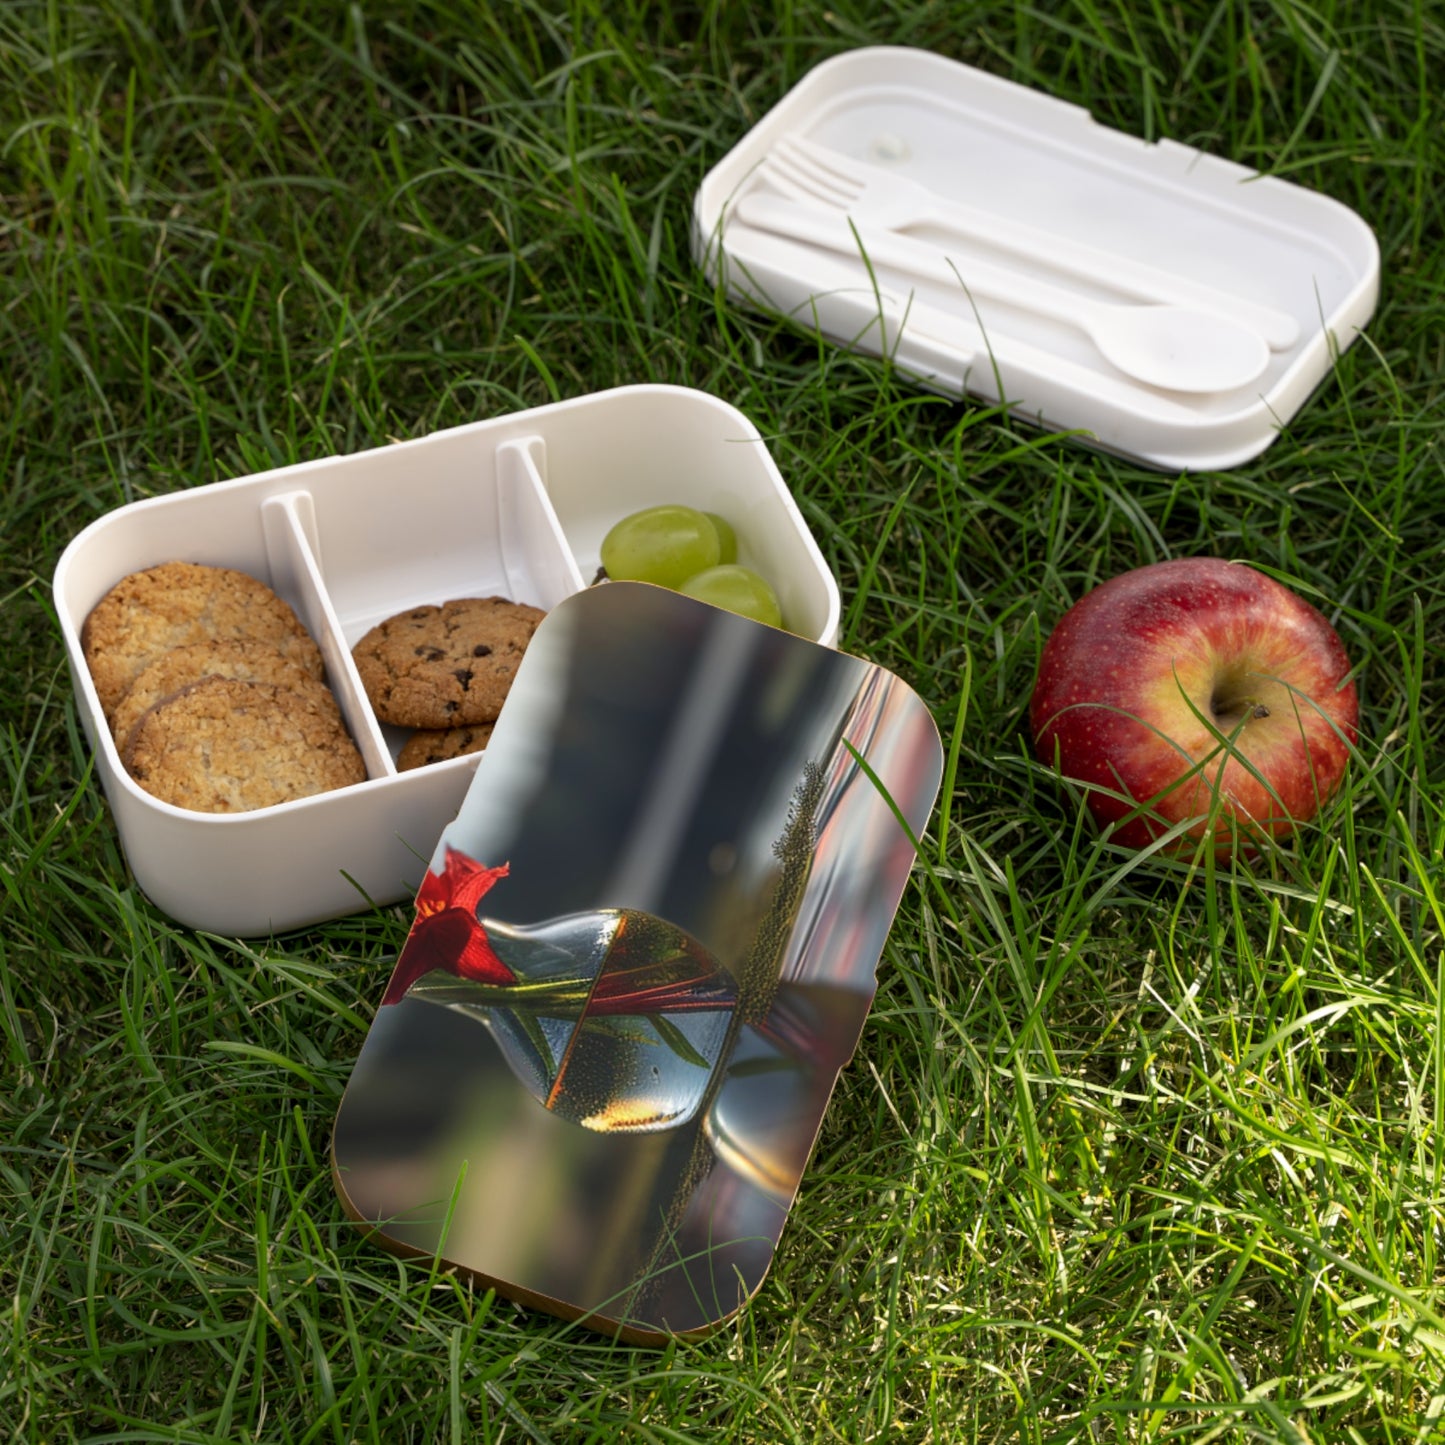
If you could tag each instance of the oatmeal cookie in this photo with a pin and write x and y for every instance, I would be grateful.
(237, 657)
(227, 746)
(149, 613)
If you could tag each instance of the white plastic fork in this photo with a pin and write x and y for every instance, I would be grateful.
(876, 197)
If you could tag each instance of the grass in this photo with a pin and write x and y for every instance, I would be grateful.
(1131, 1150)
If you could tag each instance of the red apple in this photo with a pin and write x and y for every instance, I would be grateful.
(1203, 690)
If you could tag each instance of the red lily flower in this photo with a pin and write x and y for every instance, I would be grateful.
(446, 933)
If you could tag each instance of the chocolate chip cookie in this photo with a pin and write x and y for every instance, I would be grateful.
(448, 666)
(227, 746)
(436, 745)
(149, 613)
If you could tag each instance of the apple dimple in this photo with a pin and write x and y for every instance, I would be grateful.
(1197, 692)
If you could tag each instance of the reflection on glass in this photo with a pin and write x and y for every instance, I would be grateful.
(613, 1019)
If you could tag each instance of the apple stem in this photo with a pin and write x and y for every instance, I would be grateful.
(1231, 712)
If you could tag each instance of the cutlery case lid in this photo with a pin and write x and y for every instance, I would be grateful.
(1031, 196)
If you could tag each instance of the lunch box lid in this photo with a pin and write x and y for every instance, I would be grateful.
(1149, 298)
(642, 953)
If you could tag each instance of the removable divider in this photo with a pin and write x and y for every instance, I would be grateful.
(293, 553)
(536, 556)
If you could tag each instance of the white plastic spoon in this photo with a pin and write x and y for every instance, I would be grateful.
(1178, 348)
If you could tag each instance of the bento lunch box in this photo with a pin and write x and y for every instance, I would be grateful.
(514, 506)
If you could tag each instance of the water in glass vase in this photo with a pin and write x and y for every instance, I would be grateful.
(614, 1019)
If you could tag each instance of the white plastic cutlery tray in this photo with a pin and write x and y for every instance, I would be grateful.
(1292, 276)
(517, 506)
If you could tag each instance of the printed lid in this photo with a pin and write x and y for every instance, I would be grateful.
(1163, 303)
(642, 953)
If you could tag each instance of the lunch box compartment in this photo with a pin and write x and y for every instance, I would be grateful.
(515, 506)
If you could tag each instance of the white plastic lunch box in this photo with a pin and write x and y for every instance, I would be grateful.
(978, 232)
(516, 506)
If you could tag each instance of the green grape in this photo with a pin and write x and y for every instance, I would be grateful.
(738, 589)
(665, 545)
(726, 537)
